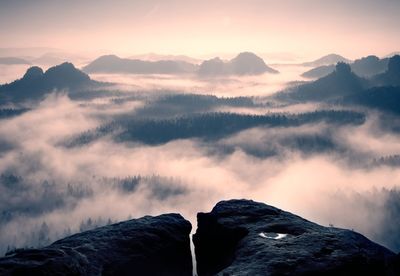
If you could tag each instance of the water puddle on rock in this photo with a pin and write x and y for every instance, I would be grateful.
(272, 236)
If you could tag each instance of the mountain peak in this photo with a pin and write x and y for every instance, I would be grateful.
(33, 72)
(247, 55)
(245, 63)
(327, 60)
(248, 63)
(66, 74)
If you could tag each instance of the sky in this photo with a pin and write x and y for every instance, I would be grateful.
(305, 28)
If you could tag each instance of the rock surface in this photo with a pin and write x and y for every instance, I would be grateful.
(242, 237)
(146, 246)
(238, 237)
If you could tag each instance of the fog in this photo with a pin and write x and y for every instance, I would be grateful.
(259, 85)
(323, 170)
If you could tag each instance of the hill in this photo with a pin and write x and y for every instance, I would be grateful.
(341, 82)
(326, 60)
(245, 63)
(115, 64)
(365, 67)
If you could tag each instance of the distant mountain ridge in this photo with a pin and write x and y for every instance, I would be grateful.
(365, 67)
(115, 64)
(344, 87)
(339, 83)
(245, 63)
(326, 60)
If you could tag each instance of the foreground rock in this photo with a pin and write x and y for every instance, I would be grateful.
(241, 237)
(146, 246)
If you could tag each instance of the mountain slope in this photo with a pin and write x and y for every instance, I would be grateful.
(365, 67)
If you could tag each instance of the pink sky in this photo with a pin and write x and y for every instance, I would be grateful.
(306, 28)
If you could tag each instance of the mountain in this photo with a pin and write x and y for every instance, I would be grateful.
(115, 64)
(365, 67)
(215, 66)
(392, 54)
(36, 83)
(238, 237)
(369, 66)
(326, 60)
(13, 60)
(386, 95)
(341, 82)
(391, 76)
(245, 63)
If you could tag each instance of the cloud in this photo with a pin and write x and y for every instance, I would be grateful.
(64, 186)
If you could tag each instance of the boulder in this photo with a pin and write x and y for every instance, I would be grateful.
(146, 246)
(243, 237)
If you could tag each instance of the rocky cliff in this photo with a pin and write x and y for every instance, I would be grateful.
(238, 237)
(146, 246)
(242, 237)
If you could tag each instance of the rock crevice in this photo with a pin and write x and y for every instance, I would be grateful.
(238, 237)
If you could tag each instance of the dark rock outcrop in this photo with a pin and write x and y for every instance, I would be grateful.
(146, 246)
(242, 237)
(238, 237)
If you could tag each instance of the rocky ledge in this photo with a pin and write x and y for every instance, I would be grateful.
(238, 237)
(242, 237)
(146, 246)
